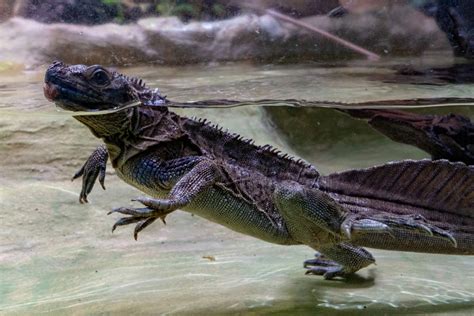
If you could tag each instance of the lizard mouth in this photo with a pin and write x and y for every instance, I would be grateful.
(50, 91)
(70, 99)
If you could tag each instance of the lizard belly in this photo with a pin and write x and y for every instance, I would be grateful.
(220, 206)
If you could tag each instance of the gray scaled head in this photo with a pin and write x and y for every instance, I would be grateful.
(95, 88)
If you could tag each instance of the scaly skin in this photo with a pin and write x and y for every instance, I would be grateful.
(191, 165)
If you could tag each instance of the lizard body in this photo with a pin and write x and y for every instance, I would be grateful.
(192, 165)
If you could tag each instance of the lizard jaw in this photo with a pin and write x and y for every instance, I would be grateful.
(50, 91)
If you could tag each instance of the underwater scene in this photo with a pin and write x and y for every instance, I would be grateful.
(364, 135)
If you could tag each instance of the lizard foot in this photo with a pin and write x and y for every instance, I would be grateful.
(329, 269)
(386, 224)
(338, 260)
(94, 167)
(319, 259)
(143, 216)
(420, 224)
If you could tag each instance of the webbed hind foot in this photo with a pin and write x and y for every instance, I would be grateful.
(338, 260)
(386, 223)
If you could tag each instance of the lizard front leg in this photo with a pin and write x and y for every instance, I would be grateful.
(94, 167)
(199, 174)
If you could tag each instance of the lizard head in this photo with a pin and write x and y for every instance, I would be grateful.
(92, 91)
(95, 88)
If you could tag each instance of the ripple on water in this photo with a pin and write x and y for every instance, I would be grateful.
(403, 292)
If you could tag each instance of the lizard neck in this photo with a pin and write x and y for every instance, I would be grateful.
(106, 125)
(131, 131)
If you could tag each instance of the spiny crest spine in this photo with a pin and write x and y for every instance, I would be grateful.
(135, 80)
(266, 147)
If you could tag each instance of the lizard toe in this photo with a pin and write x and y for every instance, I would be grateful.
(142, 216)
(142, 225)
(139, 212)
(156, 204)
(363, 225)
(328, 272)
(125, 221)
(418, 223)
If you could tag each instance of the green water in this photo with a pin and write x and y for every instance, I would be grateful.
(60, 257)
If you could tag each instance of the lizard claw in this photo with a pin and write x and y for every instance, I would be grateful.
(425, 229)
(138, 212)
(449, 237)
(142, 225)
(143, 216)
(416, 223)
(329, 269)
(124, 221)
(94, 167)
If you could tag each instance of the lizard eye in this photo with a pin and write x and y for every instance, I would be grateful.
(100, 77)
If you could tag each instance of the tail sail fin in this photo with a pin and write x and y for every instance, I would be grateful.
(433, 189)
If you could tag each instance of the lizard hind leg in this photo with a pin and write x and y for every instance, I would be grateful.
(313, 218)
(338, 260)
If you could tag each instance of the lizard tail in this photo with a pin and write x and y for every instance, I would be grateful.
(439, 192)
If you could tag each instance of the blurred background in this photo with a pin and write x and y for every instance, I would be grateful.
(125, 32)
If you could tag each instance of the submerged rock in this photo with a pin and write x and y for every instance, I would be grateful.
(395, 31)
